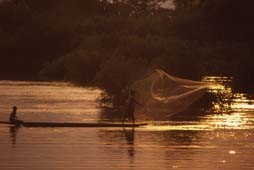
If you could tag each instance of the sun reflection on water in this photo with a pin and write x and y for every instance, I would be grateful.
(230, 110)
(232, 121)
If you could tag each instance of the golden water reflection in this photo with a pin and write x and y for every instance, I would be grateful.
(229, 110)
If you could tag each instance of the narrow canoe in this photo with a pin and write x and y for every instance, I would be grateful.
(56, 124)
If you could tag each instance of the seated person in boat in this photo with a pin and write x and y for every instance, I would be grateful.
(13, 118)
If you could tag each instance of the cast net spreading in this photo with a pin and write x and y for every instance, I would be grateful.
(163, 95)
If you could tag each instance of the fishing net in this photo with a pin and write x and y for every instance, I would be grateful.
(163, 95)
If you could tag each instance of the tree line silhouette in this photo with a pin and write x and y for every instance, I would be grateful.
(111, 44)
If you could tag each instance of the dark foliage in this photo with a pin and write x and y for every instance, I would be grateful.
(112, 44)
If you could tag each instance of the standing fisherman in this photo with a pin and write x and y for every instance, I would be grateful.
(130, 110)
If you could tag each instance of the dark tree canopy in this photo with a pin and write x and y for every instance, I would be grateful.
(94, 41)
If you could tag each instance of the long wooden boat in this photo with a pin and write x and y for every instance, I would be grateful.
(56, 124)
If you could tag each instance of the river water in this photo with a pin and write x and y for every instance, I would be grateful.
(220, 138)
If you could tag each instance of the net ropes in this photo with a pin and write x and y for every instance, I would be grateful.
(163, 95)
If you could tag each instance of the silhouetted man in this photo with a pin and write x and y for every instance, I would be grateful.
(131, 102)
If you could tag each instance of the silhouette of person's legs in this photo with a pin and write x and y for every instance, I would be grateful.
(129, 114)
(18, 122)
(133, 119)
(125, 116)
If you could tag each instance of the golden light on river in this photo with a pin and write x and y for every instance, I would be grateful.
(234, 121)
(231, 109)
